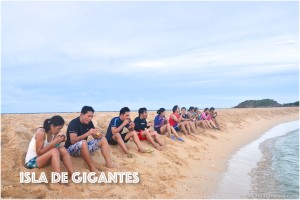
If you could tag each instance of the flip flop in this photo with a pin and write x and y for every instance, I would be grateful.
(149, 151)
(173, 137)
(180, 139)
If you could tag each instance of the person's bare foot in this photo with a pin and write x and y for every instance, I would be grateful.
(142, 150)
(158, 147)
(94, 169)
(111, 165)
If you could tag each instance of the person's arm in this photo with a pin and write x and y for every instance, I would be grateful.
(40, 139)
(115, 129)
(98, 134)
(73, 130)
(190, 117)
(215, 114)
(156, 121)
(149, 124)
(130, 126)
(74, 138)
(184, 119)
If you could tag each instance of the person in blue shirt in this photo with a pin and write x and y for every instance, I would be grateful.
(162, 126)
(114, 134)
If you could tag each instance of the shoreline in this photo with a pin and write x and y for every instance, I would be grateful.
(245, 160)
(191, 169)
(205, 181)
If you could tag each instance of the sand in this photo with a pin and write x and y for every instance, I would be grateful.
(182, 170)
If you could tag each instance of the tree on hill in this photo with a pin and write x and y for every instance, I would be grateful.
(258, 103)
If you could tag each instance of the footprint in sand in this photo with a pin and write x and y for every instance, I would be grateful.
(194, 157)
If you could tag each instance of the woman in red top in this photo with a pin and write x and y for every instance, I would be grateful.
(175, 121)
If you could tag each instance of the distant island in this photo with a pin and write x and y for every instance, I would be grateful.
(264, 103)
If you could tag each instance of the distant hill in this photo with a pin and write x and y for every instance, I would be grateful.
(291, 104)
(264, 103)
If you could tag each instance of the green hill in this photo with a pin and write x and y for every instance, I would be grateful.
(264, 103)
(291, 104)
(258, 103)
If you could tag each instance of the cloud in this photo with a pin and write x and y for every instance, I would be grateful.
(60, 49)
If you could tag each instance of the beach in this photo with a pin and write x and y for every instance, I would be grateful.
(191, 169)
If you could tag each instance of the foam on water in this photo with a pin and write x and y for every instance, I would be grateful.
(251, 167)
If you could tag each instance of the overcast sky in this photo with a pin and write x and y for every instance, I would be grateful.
(60, 56)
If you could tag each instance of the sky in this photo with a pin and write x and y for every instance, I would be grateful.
(59, 56)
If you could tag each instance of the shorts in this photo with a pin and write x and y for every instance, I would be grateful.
(141, 137)
(31, 163)
(75, 149)
(177, 128)
(113, 142)
(157, 130)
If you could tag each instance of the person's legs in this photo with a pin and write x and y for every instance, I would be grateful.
(50, 156)
(183, 128)
(164, 129)
(172, 129)
(117, 137)
(204, 124)
(103, 144)
(85, 154)
(208, 124)
(188, 126)
(66, 159)
(212, 124)
(193, 127)
(136, 140)
(156, 137)
(146, 133)
(216, 122)
(195, 124)
(81, 148)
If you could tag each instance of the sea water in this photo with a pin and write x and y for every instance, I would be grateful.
(266, 168)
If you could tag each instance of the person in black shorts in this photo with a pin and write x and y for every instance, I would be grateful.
(114, 134)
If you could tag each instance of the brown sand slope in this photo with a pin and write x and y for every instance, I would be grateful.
(190, 169)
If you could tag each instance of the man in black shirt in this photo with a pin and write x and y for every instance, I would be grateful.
(77, 134)
(114, 134)
(142, 127)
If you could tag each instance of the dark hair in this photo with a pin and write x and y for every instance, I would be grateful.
(195, 109)
(211, 109)
(161, 110)
(183, 108)
(124, 110)
(191, 108)
(206, 109)
(142, 110)
(175, 108)
(86, 109)
(55, 121)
